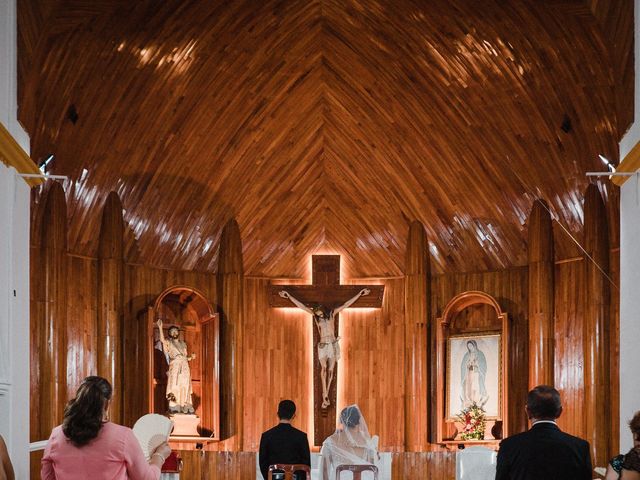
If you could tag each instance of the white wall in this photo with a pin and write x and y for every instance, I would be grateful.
(629, 308)
(14, 318)
(14, 263)
(630, 269)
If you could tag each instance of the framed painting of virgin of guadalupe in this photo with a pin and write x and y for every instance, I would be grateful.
(472, 353)
(474, 374)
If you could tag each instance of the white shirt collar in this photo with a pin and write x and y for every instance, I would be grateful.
(544, 421)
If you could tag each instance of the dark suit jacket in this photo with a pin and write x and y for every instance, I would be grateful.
(544, 452)
(283, 444)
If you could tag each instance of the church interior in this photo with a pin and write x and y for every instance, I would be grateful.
(198, 158)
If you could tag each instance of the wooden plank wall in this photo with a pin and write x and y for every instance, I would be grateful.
(278, 340)
(569, 353)
(373, 367)
(276, 352)
(277, 361)
(218, 465)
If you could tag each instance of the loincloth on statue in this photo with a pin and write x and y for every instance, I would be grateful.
(329, 350)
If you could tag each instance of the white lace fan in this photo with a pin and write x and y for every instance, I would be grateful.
(151, 430)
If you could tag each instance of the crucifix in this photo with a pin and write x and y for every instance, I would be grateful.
(324, 299)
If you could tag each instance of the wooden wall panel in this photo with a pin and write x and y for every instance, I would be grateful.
(428, 465)
(142, 285)
(416, 317)
(35, 462)
(540, 298)
(110, 295)
(278, 360)
(230, 284)
(614, 352)
(277, 357)
(569, 353)
(218, 465)
(36, 326)
(509, 288)
(373, 370)
(49, 315)
(597, 326)
(273, 347)
(82, 320)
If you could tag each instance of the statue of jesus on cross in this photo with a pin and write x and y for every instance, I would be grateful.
(328, 346)
(324, 299)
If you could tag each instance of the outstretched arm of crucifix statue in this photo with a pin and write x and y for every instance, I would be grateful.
(295, 301)
(351, 301)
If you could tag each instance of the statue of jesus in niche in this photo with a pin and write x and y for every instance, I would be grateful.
(179, 375)
(328, 346)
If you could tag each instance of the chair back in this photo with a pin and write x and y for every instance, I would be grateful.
(476, 463)
(289, 470)
(357, 471)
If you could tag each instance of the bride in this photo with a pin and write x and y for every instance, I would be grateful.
(349, 445)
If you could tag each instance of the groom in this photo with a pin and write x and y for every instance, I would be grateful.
(284, 443)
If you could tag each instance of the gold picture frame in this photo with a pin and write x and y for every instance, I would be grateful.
(486, 362)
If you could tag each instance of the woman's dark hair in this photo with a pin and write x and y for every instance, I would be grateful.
(83, 414)
(350, 417)
(634, 425)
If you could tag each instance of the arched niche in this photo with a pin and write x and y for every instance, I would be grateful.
(189, 310)
(472, 326)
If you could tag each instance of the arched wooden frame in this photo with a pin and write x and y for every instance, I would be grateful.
(208, 351)
(445, 323)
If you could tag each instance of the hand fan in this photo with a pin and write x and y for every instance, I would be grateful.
(151, 430)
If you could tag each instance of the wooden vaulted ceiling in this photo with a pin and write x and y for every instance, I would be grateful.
(326, 125)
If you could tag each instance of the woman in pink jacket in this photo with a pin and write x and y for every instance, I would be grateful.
(87, 445)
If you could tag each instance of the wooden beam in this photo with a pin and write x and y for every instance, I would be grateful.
(110, 301)
(52, 325)
(629, 164)
(541, 281)
(596, 327)
(230, 284)
(12, 154)
(416, 306)
(328, 296)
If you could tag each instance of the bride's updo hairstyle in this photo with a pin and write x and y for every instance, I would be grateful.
(350, 416)
(83, 414)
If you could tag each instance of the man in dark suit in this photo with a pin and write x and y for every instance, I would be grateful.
(283, 443)
(544, 452)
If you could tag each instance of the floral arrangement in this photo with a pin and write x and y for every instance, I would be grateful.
(473, 420)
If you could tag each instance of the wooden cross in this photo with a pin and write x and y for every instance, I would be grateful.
(326, 291)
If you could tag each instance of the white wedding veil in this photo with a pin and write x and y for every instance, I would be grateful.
(351, 444)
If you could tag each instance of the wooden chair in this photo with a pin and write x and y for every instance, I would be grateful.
(357, 471)
(289, 470)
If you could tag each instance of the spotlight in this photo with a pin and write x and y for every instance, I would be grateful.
(44, 163)
(607, 163)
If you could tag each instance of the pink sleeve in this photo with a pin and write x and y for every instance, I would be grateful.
(46, 471)
(137, 466)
